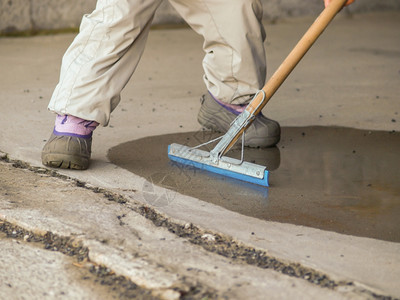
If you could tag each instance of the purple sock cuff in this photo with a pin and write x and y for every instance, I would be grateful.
(88, 136)
(235, 109)
(73, 126)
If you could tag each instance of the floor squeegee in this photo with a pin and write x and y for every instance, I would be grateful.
(214, 160)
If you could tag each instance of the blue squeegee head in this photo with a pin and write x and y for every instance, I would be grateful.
(200, 161)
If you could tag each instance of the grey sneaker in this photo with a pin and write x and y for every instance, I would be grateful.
(263, 132)
(67, 152)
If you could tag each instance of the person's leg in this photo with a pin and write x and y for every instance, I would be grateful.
(234, 63)
(102, 58)
(94, 70)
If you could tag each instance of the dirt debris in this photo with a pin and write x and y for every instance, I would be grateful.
(103, 275)
(120, 286)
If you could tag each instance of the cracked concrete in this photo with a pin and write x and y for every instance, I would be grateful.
(31, 272)
(129, 244)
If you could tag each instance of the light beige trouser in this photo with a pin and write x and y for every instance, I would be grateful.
(104, 55)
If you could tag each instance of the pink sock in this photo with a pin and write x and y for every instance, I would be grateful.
(74, 126)
(236, 109)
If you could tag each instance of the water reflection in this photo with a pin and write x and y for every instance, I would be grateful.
(340, 179)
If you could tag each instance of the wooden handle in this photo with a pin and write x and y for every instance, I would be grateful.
(291, 61)
(294, 57)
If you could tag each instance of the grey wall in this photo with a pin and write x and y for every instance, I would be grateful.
(25, 15)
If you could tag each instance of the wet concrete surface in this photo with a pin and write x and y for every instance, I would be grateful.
(333, 178)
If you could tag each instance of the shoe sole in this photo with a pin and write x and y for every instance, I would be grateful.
(64, 161)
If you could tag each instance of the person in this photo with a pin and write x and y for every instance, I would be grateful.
(104, 54)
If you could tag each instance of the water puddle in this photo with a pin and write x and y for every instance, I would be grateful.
(338, 179)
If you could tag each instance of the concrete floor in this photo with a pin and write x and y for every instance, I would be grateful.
(350, 77)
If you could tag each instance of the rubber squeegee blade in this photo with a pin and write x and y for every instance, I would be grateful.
(226, 166)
